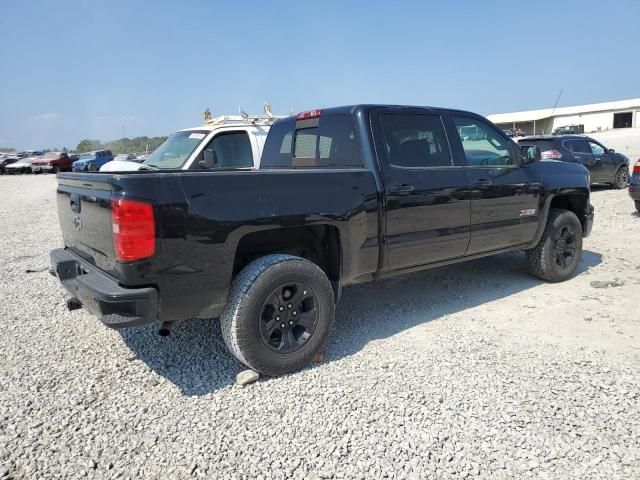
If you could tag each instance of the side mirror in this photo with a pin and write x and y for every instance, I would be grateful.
(210, 160)
(530, 154)
(611, 150)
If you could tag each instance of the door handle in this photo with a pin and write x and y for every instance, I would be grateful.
(74, 202)
(403, 189)
(483, 182)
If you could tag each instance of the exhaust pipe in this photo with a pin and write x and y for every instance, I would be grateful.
(165, 328)
(73, 304)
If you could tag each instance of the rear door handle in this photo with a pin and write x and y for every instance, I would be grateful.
(403, 189)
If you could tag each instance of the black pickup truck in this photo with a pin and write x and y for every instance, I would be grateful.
(343, 195)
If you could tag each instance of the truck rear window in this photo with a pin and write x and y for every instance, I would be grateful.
(326, 142)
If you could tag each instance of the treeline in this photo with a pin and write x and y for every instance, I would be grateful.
(7, 149)
(123, 145)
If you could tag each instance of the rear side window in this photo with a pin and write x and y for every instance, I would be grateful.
(415, 140)
(577, 146)
(325, 142)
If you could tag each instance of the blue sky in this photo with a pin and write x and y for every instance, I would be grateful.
(85, 69)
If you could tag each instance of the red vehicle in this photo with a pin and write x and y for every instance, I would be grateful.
(53, 162)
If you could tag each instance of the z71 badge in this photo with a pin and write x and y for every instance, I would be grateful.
(527, 212)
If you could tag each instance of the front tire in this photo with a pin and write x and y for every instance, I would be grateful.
(637, 202)
(621, 179)
(278, 314)
(92, 167)
(558, 252)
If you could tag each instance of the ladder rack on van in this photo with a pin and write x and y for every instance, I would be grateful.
(237, 119)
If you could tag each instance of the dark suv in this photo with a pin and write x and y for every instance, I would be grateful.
(604, 164)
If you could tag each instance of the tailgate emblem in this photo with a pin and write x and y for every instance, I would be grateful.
(77, 223)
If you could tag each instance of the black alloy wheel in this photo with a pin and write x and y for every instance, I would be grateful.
(289, 317)
(565, 247)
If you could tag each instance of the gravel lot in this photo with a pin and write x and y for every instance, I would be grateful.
(470, 371)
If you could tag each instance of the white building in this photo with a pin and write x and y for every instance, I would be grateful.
(596, 117)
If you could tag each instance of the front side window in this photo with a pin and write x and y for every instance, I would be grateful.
(483, 145)
(325, 142)
(176, 149)
(415, 140)
(226, 150)
(596, 149)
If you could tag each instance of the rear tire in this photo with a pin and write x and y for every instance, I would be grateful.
(54, 170)
(278, 314)
(558, 252)
(92, 168)
(637, 202)
(621, 179)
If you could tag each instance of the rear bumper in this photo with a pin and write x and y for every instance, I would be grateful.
(588, 221)
(116, 306)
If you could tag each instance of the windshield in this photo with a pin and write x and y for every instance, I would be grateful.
(176, 149)
(87, 156)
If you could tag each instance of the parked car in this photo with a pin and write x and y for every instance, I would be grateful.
(91, 161)
(514, 132)
(343, 195)
(634, 185)
(471, 134)
(22, 165)
(53, 162)
(7, 160)
(604, 164)
(569, 130)
(125, 157)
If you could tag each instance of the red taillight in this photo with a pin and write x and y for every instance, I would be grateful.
(310, 114)
(134, 229)
(636, 169)
(553, 154)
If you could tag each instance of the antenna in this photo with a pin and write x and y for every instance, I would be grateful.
(557, 100)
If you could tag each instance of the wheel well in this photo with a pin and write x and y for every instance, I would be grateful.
(319, 244)
(574, 202)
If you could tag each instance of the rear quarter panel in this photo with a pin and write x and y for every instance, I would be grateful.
(558, 179)
(205, 215)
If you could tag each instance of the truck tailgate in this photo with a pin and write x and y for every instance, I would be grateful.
(85, 218)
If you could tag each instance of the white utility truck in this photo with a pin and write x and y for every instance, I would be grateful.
(224, 142)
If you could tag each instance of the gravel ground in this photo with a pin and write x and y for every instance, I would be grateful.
(470, 371)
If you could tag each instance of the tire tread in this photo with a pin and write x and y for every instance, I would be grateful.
(537, 257)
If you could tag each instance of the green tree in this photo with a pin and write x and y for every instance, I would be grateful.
(88, 146)
(122, 145)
